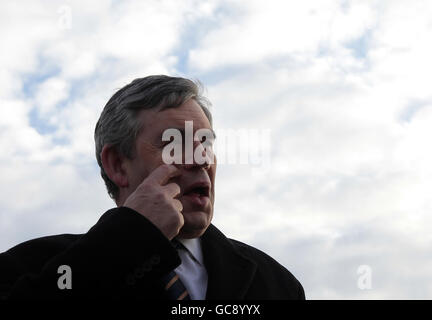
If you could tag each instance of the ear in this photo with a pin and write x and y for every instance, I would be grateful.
(114, 165)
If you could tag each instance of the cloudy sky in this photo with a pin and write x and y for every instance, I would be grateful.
(342, 197)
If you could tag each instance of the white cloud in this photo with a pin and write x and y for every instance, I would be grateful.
(344, 87)
(63, 71)
(50, 93)
(263, 30)
(344, 157)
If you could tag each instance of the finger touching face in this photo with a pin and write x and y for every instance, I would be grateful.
(164, 173)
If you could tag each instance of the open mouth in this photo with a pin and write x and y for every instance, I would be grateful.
(197, 196)
(198, 191)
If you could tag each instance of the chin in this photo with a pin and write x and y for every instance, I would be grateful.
(195, 224)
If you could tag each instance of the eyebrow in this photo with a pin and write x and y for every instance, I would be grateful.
(182, 131)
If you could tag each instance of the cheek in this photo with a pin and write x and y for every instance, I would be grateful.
(150, 157)
(212, 175)
(144, 164)
(213, 170)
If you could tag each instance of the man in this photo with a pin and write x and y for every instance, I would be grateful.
(158, 243)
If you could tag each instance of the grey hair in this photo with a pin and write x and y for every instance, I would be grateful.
(118, 124)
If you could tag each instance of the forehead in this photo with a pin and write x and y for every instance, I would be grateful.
(155, 121)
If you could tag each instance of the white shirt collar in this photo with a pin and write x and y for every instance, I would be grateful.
(194, 248)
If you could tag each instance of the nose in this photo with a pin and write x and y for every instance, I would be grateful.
(200, 158)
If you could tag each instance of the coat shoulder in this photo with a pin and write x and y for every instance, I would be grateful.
(47, 243)
(271, 272)
(33, 254)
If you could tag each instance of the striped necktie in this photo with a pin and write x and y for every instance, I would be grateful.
(172, 284)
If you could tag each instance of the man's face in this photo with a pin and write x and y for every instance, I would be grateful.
(194, 178)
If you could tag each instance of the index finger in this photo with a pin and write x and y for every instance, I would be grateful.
(163, 173)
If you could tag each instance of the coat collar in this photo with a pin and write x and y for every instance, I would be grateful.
(230, 273)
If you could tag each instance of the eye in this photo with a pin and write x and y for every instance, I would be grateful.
(164, 143)
(171, 140)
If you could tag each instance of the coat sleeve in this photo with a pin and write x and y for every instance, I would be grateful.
(123, 255)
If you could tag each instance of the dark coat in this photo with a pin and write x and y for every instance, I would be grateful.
(124, 255)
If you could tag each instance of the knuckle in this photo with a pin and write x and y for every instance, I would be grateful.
(175, 188)
(146, 186)
(177, 204)
(181, 220)
(160, 196)
(165, 168)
